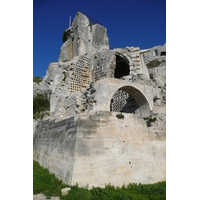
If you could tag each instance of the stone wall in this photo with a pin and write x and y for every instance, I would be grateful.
(54, 147)
(98, 148)
(80, 76)
(141, 92)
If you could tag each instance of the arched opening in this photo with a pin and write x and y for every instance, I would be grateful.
(130, 100)
(122, 67)
(123, 102)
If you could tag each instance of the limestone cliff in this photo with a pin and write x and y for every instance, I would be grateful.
(82, 36)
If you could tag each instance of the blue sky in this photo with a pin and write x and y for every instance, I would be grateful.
(138, 23)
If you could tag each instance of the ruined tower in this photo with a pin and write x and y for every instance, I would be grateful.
(83, 141)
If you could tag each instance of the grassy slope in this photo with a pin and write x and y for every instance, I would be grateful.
(46, 183)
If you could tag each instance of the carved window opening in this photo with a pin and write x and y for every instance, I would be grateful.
(122, 67)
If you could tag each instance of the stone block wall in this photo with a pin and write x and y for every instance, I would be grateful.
(54, 147)
(98, 148)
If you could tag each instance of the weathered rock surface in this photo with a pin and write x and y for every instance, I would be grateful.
(82, 36)
(65, 191)
(155, 60)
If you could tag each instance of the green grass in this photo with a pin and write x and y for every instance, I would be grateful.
(44, 182)
(78, 193)
(47, 184)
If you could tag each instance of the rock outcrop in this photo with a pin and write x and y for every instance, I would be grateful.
(155, 60)
(82, 36)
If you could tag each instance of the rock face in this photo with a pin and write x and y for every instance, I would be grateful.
(156, 65)
(88, 86)
(82, 36)
(155, 60)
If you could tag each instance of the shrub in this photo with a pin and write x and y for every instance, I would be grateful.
(120, 116)
(44, 182)
(156, 191)
(90, 27)
(78, 193)
(65, 76)
(37, 79)
(150, 121)
(112, 193)
(40, 103)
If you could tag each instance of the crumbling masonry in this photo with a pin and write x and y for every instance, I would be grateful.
(83, 141)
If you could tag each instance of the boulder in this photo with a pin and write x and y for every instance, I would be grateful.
(65, 191)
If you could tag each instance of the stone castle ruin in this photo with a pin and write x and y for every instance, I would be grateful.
(83, 141)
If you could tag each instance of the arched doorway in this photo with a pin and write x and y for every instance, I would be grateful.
(123, 102)
(128, 99)
(122, 67)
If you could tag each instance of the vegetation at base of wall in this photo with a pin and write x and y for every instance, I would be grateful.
(120, 116)
(78, 193)
(47, 184)
(155, 191)
(41, 103)
(37, 79)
